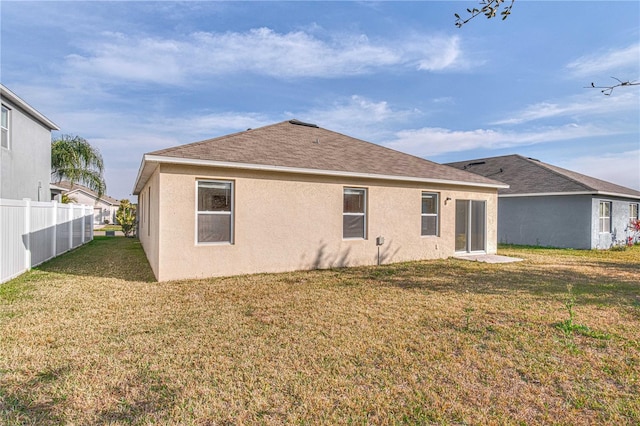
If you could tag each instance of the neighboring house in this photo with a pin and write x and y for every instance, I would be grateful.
(32, 228)
(293, 196)
(25, 150)
(104, 208)
(546, 205)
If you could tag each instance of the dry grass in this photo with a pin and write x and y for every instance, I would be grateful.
(89, 338)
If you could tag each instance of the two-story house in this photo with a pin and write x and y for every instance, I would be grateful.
(25, 150)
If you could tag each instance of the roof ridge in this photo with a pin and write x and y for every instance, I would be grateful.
(217, 137)
(382, 146)
(404, 153)
(549, 168)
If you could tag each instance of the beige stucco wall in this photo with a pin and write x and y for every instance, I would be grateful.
(287, 222)
(148, 216)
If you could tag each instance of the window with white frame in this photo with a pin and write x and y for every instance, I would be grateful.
(4, 128)
(633, 212)
(214, 212)
(430, 214)
(354, 214)
(605, 217)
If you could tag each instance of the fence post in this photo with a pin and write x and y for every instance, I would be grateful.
(89, 211)
(1, 222)
(70, 220)
(83, 225)
(54, 224)
(27, 233)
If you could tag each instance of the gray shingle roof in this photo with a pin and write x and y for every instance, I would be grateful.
(296, 145)
(529, 176)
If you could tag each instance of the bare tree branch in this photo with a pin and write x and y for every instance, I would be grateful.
(606, 90)
(488, 8)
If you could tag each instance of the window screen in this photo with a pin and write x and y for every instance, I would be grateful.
(354, 213)
(430, 213)
(215, 212)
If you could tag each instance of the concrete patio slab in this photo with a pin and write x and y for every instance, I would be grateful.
(488, 258)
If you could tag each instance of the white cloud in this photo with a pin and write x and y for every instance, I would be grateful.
(440, 53)
(260, 51)
(445, 100)
(211, 125)
(620, 168)
(151, 132)
(600, 63)
(430, 141)
(358, 116)
(149, 60)
(586, 105)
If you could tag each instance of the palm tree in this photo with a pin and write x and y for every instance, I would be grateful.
(74, 159)
(68, 199)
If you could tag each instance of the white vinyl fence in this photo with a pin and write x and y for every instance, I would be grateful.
(32, 232)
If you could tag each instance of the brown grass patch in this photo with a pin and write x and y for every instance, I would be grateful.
(89, 338)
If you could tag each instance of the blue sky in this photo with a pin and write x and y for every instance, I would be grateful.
(134, 77)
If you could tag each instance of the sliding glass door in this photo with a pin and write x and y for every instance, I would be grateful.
(470, 225)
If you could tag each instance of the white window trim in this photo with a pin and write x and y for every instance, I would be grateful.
(610, 204)
(436, 214)
(364, 214)
(230, 213)
(6, 129)
(637, 211)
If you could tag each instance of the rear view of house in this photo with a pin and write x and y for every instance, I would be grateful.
(293, 196)
(550, 206)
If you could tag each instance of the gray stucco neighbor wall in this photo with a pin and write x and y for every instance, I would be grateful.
(26, 164)
(619, 222)
(553, 221)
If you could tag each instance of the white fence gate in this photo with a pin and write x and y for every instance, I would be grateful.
(32, 232)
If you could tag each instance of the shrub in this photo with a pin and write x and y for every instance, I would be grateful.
(126, 217)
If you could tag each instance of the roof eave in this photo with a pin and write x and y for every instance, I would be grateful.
(92, 195)
(15, 99)
(145, 172)
(553, 194)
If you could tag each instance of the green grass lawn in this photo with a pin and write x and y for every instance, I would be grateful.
(111, 228)
(90, 338)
